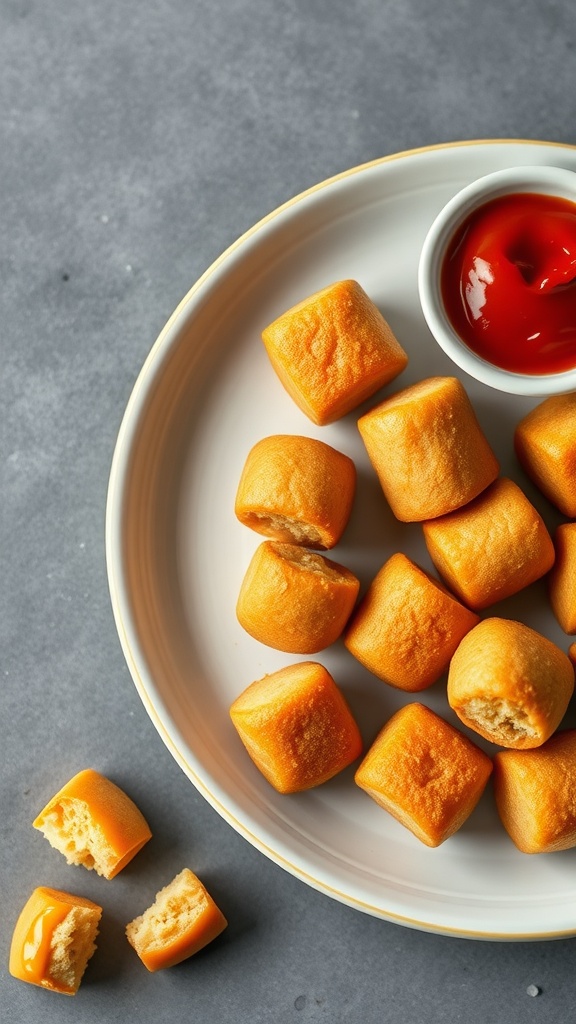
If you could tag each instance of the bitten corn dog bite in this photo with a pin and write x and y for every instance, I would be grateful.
(295, 600)
(333, 350)
(428, 449)
(510, 684)
(182, 920)
(545, 443)
(425, 773)
(296, 490)
(407, 626)
(94, 823)
(535, 794)
(491, 548)
(297, 727)
(54, 939)
(562, 580)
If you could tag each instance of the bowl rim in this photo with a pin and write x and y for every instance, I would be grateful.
(544, 180)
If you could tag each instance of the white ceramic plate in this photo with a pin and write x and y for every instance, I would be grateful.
(176, 554)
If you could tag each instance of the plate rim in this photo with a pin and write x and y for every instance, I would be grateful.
(114, 504)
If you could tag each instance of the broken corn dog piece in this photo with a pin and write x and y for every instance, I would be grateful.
(54, 939)
(182, 920)
(94, 823)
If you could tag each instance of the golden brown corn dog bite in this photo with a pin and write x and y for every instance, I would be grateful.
(297, 727)
(333, 350)
(491, 548)
(407, 626)
(425, 773)
(182, 920)
(535, 794)
(296, 490)
(54, 939)
(545, 443)
(428, 449)
(295, 600)
(562, 580)
(93, 822)
(510, 684)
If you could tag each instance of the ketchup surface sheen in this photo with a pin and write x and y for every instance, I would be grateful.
(509, 283)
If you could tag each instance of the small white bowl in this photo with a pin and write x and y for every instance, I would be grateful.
(556, 181)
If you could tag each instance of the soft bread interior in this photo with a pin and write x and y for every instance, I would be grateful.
(69, 828)
(173, 914)
(71, 946)
(502, 719)
(287, 529)
(311, 562)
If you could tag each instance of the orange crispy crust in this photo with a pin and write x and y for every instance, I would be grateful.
(562, 582)
(297, 727)
(492, 548)
(545, 443)
(425, 773)
(296, 490)
(183, 919)
(510, 684)
(295, 600)
(33, 956)
(407, 626)
(428, 449)
(113, 816)
(333, 350)
(535, 794)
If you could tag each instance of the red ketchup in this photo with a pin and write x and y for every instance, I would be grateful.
(509, 283)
